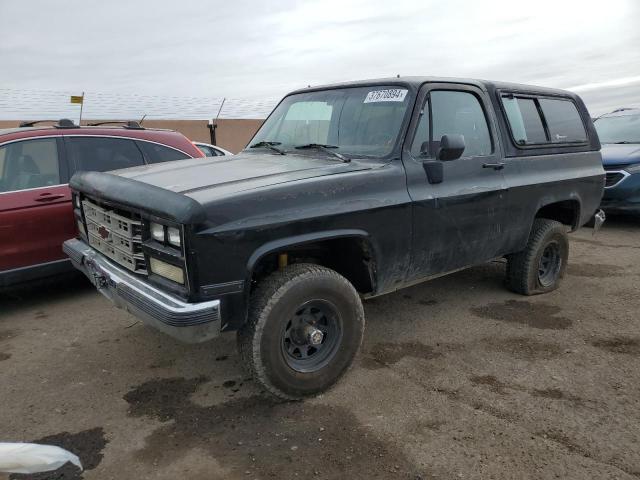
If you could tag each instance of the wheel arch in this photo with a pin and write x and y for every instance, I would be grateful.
(328, 240)
(564, 210)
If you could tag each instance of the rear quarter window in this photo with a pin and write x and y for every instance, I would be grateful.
(156, 153)
(543, 121)
(524, 120)
(563, 121)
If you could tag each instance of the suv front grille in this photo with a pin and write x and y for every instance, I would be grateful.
(612, 178)
(117, 235)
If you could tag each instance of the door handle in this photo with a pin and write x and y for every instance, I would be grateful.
(49, 197)
(495, 166)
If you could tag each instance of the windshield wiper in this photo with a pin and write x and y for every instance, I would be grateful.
(623, 142)
(269, 145)
(324, 148)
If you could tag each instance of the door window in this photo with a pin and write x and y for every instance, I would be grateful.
(29, 164)
(453, 112)
(420, 145)
(101, 154)
(159, 153)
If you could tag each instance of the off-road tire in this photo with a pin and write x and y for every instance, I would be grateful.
(275, 299)
(522, 274)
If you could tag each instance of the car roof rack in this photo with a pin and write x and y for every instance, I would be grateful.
(131, 124)
(623, 109)
(62, 123)
(31, 123)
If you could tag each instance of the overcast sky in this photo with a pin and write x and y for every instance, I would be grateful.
(260, 50)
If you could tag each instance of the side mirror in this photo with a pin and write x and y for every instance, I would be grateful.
(451, 147)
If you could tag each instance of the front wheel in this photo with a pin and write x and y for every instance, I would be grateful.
(304, 329)
(542, 264)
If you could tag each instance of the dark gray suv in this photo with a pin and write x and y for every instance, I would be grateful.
(346, 192)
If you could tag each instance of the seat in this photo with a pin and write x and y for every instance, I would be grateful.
(27, 174)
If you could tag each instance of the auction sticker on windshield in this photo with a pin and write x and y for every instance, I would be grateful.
(389, 95)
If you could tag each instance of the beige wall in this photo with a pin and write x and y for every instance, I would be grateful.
(231, 134)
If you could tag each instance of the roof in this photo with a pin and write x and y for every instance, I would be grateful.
(417, 82)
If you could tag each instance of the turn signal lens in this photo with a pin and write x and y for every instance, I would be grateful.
(157, 231)
(166, 270)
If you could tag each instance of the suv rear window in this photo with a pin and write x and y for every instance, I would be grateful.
(541, 121)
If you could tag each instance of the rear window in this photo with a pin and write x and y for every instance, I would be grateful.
(539, 121)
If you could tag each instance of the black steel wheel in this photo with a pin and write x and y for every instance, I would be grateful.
(311, 336)
(549, 264)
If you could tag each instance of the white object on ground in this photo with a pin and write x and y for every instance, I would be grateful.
(34, 458)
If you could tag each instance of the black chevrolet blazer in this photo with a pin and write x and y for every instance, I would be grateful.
(346, 192)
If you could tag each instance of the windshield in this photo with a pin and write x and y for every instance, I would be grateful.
(362, 121)
(620, 129)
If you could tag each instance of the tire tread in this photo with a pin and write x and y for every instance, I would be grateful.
(520, 264)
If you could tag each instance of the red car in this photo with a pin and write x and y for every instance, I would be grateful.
(36, 214)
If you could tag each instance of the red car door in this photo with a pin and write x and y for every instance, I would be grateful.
(35, 204)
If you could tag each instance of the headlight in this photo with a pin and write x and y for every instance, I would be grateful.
(166, 270)
(157, 231)
(173, 235)
(633, 168)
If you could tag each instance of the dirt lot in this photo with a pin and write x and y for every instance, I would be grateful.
(458, 378)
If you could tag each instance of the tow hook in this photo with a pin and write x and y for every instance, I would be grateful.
(598, 220)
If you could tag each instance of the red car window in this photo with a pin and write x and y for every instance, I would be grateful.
(101, 154)
(29, 164)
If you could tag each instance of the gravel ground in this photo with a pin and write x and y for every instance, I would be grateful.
(457, 378)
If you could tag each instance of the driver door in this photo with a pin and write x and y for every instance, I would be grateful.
(459, 221)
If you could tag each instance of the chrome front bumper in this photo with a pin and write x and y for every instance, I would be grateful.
(188, 322)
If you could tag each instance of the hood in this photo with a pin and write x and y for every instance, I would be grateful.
(246, 171)
(620, 154)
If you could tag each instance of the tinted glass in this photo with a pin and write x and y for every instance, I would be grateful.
(29, 164)
(422, 134)
(563, 120)
(362, 121)
(460, 113)
(524, 119)
(207, 150)
(159, 153)
(101, 154)
(619, 129)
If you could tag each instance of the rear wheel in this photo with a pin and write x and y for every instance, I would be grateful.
(304, 329)
(542, 264)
